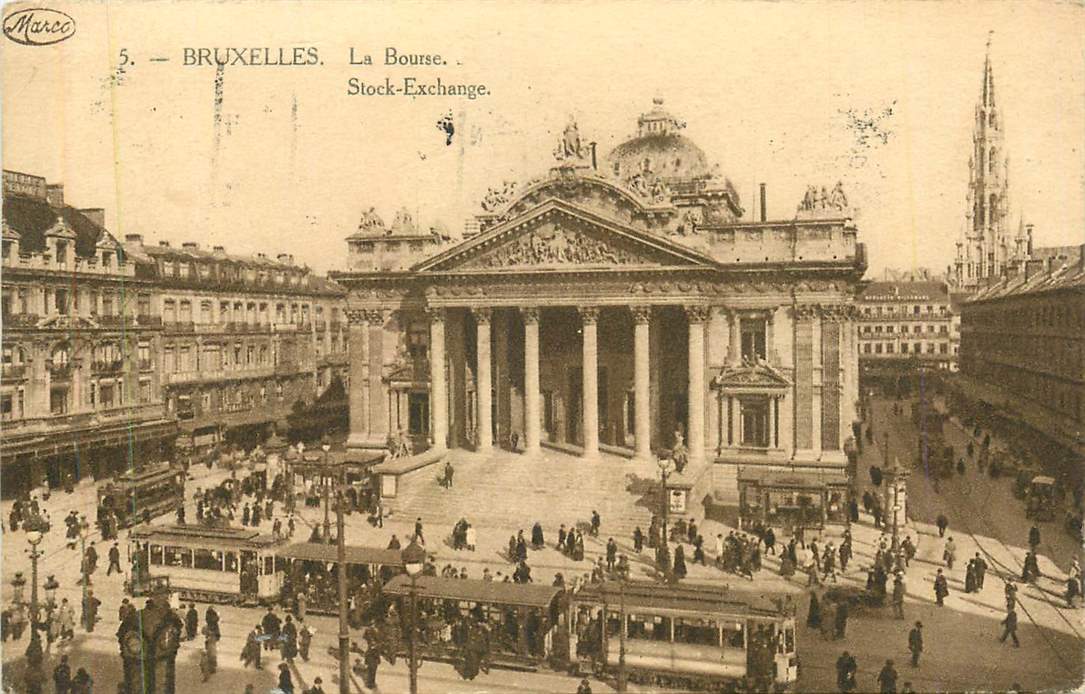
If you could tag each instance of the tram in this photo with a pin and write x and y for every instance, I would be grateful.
(140, 495)
(687, 637)
(308, 567)
(220, 565)
(523, 624)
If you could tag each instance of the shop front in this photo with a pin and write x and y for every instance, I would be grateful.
(790, 500)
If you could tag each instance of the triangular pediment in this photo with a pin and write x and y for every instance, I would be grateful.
(559, 235)
(750, 377)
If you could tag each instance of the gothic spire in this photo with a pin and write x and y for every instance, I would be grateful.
(988, 94)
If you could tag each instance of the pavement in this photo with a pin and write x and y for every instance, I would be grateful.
(504, 492)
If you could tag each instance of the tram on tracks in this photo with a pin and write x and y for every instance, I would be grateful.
(219, 565)
(308, 568)
(137, 496)
(686, 637)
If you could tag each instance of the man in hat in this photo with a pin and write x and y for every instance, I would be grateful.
(915, 642)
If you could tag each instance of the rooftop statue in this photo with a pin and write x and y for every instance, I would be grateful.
(820, 199)
(570, 147)
(496, 198)
(370, 221)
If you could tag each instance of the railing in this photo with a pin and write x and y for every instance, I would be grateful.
(108, 366)
(219, 375)
(14, 371)
(146, 365)
(179, 326)
(20, 320)
(148, 321)
(61, 372)
(124, 413)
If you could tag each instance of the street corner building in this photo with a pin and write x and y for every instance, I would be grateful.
(117, 355)
(621, 305)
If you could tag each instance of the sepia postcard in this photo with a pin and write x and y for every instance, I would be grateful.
(542, 347)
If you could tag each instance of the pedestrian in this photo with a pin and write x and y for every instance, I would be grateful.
(915, 642)
(612, 554)
(846, 669)
(62, 676)
(1010, 622)
(270, 626)
(286, 682)
(114, 560)
(192, 622)
(949, 554)
(211, 648)
(1031, 568)
(840, 625)
(316, 688)
(941, 588)
(980, 571)
(305, 640)
(372, 661)
(638, 540)
(908, 550)
(205, 666)
(537, 539)
(82, 682)
(1034, 537)
(942, 523)
(596, 521)
(679, 562)
(1011, 595)
(394, 542)
(246, 513)
(898, 596)
(970, 576)
(813, 614)
(887, 679)
(585, 687)
(418, 531)
(250, 653)
(288, 637)
(90, 610)
(67, 620)
(211, 622)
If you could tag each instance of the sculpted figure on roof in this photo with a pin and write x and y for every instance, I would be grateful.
(370, 221)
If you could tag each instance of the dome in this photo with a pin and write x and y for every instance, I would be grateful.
(658, 149)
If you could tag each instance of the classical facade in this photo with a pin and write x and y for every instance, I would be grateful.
(110, 349)
(621, 306)
(1023, 352)
(987, 246)
(905, 325)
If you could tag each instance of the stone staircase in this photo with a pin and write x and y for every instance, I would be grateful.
(508, 491)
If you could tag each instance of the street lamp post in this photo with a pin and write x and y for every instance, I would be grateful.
(621, 633)
(413, 559)
(327, 495)
(665, 465)
(34, 537)
(51, 586)
(341, 556)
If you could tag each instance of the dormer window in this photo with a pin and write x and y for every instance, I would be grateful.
(62, 252)
(106, 259)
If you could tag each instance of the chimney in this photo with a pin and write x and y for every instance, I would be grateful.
(135, 239)
(220, 251)
(164, 244)
(764, 204)
(1032, 267)
(54, 193)
(290, 256)
(190, 246)
(262, 256)
(94, 214)
(1028, 233)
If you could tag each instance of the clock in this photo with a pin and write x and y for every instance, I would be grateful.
(132, 645)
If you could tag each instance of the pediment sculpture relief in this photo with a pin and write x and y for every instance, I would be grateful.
(557, 246)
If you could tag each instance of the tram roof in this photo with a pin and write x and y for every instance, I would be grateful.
(316, 551)
(687, 598)
(475, 590)
(149, 472)
(201, 534)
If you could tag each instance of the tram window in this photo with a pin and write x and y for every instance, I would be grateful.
(231, 562)
(207, 559)
(649, 627)
(702, 632)
(614, 623)
(789, 640)
(156, 555)
(269, 565)
(178, 556)
(733, 636)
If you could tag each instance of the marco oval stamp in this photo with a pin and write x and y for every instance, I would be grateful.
(39, 26)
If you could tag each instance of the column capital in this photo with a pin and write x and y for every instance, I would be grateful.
(482, 314)
(530, 314)
(436, 314)
(357, 316)
(698, 314)
(641, 314)
(588, 314)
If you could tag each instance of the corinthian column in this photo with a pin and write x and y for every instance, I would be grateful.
(642, 405)
(438, 397)
(484, 383)
(589, 316)
(697, 317)
(531, 379)
(359, 379)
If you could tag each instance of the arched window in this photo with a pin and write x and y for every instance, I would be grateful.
(992, 160)
(61, 354)
(993, 208)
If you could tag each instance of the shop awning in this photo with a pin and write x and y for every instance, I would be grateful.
(793, 479)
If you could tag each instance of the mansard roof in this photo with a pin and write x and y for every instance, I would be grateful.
(31, 218)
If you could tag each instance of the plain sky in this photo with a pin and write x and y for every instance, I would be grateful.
(770, 91)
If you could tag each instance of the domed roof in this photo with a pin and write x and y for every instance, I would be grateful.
(658, 149)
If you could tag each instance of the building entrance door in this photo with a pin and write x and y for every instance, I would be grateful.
(418, 414)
